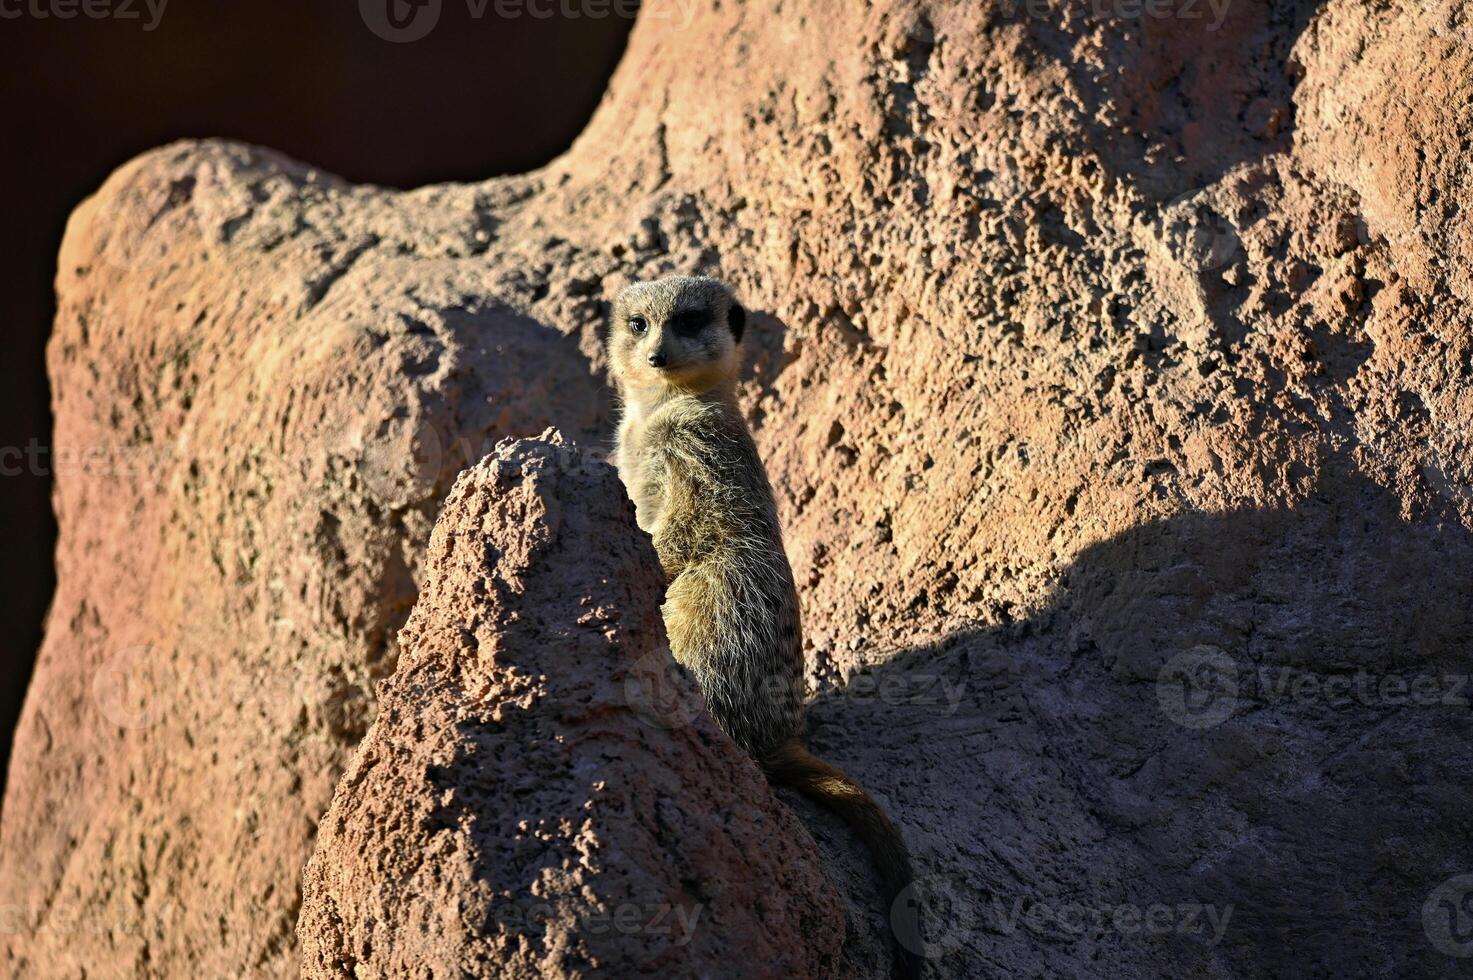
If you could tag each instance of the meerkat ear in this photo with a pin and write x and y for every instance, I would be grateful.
(736, 318)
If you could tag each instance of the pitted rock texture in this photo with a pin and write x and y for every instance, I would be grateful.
(513, 811)
(1113, 374)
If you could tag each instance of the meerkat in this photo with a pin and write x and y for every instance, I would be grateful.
(690, 465)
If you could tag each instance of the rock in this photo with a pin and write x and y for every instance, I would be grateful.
(521, 807)
(1164, 557)
(258, 412)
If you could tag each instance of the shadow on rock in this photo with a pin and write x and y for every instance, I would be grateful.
(1234, 745)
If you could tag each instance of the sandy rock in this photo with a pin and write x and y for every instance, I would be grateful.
(523, 805)
(255, 425)
(1112, 371)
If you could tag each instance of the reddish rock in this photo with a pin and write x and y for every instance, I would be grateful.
(1110, 365)
(513, 811)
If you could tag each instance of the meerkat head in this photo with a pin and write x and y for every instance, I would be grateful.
(684, 333)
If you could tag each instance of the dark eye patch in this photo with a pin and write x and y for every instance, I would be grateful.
(688, 323)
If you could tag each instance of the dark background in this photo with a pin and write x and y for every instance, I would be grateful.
(78, 97)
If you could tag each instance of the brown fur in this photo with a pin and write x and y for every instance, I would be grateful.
(731, 609)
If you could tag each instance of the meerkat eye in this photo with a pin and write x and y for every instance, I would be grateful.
(638, 324)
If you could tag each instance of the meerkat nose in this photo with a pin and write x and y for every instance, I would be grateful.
(657, 359)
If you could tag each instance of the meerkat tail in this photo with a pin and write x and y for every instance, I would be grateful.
(794, 766)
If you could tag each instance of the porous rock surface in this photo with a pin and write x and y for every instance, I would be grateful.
(513, 811)
(1113, 371)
